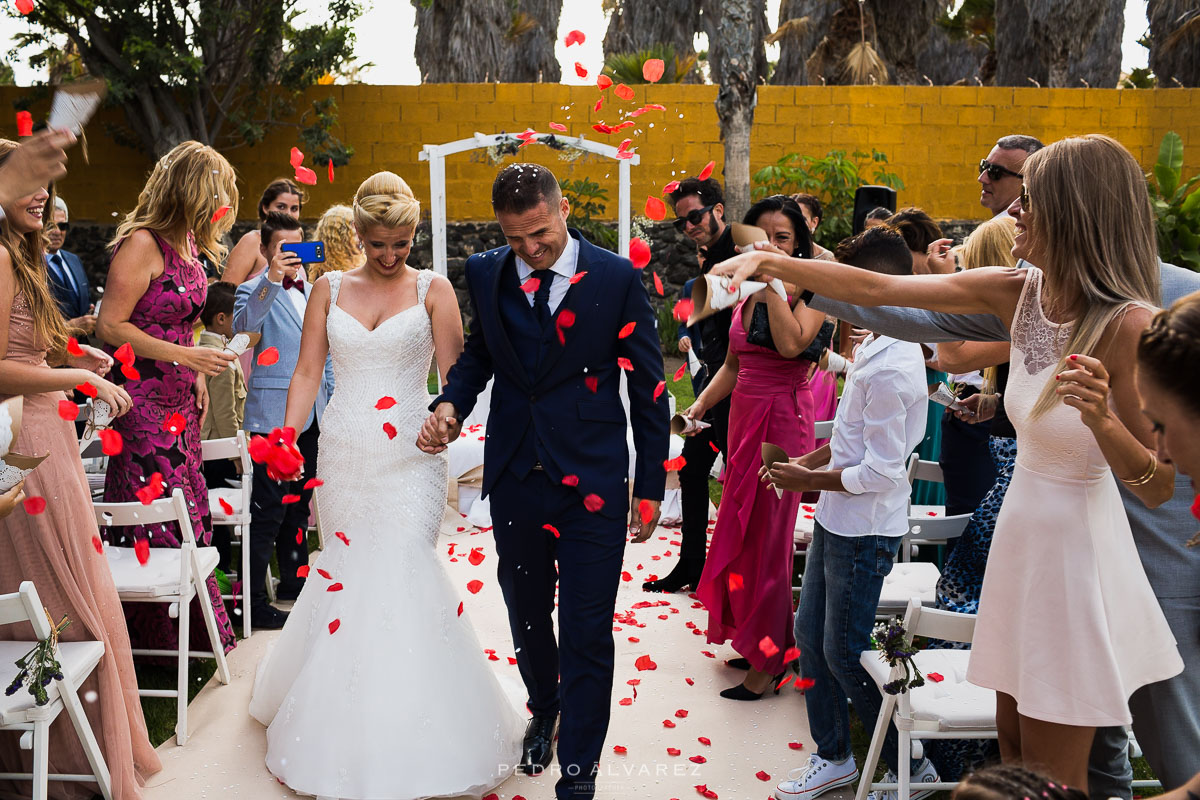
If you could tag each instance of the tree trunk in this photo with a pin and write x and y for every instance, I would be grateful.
(1174, 59)
(638, 25)
(1100, 64)
(1063, 30)
(903, 26)
(738, 61)
(795, 48)
(461, 41)
(1018, 58)
(531, 38)
(844, 30)
(945, 61)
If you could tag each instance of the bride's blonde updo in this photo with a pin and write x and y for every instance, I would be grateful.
(385, 199)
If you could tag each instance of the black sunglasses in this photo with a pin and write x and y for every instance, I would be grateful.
(695, 217)
(62, 226)
(995, 171)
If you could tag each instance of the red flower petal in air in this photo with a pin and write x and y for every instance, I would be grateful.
(683, 309)
(68, 410)
(624, 363)
(767, 646)
(130, 373)
(805, 683)
(313, 483)
(474, 586)
(268, 357)
(175, 424)
(552, 529)
(333, 626)
(87, 389)
(558, 126)
(384, 403)
(658, 390)
(580, 70)
(626, 330)
(390, 430)
(570, 480)
(296, 157)
(602, 128)
(25, 6)
(331, 170)
(644, 663)
(625, 143)
(574, 37)
(791, 654)
(73, 347)
(603, 82)
(306, 176)
(646, 512)
(679, 373)
(99, 545)
(324, 574)
(345, 539)
(656, 209)
(599, 105)
(624, 92)
(674, 464)
(288, 499)
(460, 608)
(141, 549)
(299, 535)
(220, 212)
(123, 354)
(225, 507)
(1196, 507)
(639, 253)
(658, 284)
(476, 556)
(736, 583)
(652, 69)
(577, 277)
(593, 503)
(592, 382)
(670, 187)
(762, 776)
(302, 571)
(34, 505)
(24, 118)
(707, 171)
(334, 587)
(935, 677)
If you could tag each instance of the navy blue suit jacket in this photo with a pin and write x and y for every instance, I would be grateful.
(581, 431)
(71, 303)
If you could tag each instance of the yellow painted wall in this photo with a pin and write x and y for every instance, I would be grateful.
(933, 136)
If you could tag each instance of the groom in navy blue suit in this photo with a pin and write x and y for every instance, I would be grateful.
(556, 320)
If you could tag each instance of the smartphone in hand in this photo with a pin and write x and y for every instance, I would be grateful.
(308, 252)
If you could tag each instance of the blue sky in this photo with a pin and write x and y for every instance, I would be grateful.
(386, 36)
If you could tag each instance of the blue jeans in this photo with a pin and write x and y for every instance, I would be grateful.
(838, 599)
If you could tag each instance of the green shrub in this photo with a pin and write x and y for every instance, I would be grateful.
(587, 209)
(1176, 206)
(627, 67)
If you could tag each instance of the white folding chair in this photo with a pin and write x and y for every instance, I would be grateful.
(317, 520)
(20, 713)
(238, 498)
(950, 708)
(173, 576)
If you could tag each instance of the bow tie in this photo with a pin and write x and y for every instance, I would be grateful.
(297, 283)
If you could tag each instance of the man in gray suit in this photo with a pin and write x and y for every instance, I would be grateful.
(1166, 715)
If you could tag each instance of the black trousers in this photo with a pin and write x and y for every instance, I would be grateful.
(572, 674)
(699, 455)
(966, 463)
(217, 475)
(275, 526)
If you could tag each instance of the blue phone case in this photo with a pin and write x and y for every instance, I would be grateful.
(309, 252)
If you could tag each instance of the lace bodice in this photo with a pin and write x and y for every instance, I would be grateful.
(1056, 443)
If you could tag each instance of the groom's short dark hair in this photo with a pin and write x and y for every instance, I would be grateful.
(520, 187)
(879, 249)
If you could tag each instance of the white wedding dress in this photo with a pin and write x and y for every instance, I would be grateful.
(396, 700)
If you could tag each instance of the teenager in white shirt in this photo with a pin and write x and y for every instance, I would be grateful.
(860, 521)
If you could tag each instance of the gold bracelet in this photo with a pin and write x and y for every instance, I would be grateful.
(1146, 476)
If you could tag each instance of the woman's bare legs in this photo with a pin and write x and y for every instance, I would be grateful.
(1060, 752)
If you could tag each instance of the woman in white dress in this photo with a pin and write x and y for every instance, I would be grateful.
(1068, 625)
(378, 689)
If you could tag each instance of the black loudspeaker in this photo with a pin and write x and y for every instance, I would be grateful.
(868, 198)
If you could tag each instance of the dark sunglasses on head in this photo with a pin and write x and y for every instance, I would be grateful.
(995, 171)
(695, 217)
(62, 226)
(1025, 199)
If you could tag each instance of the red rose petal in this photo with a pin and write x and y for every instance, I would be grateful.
(219, 213)
(175, 424)
(659, 389)
(141, 549)
(708, 654)
(707, 172)
(620, 749)
(674, 464)
(670, 186)
(600, 126)
(24, 118)
(577, 277)
(34, 505)
(644, 663)
(592, 382)
(736, 582)
(762, 776)
(625, 701)
(658, 284)
(530, 286)
(679, 373)
(668, 723)
(68, 410)
(704, 740)
(624, 363)
(935, 677)
(795, 745)
(603, 82)
(313, 483)
(805, 683)
(580, 70)
(639, 253)
(673, 751)
(390, 430)
(652, 69)
(624, 92)
(334, 587)
(474, 586)
(460, 608)
(306, 176)
(345, 539)
(302, 571)
(683, 309)
(225, 507)
(552, 529)
(698, 759)
(558, 126)
(767, 646)
(152, 490)
(384, 403)
(626, 330)
(791, 654)
(570, 480)
(681, 713)
(73, 346)
(333, 626)
(689, 682)
(574, 37)
(288, 499)
(625, 576)
(296, 157)
(476, 557)
(124, 354)
(593, 503)
(98, 544)
(1196, 507)
(86, 389)
(324, 574)
(130, 373)
(268, 357)
(646, 511)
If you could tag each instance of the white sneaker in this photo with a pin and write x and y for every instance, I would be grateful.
(818, 777)
(926, 774)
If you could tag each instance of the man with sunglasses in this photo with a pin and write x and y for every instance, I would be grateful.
(1000, 173)
(700, 215)
(68, 280)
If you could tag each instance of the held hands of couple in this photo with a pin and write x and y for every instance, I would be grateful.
(440, 428)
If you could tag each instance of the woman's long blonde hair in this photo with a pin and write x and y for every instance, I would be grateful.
(342, 249)
(27, 252)
(385, 199)
(990, 245)
(185, 189)
(1094, 230)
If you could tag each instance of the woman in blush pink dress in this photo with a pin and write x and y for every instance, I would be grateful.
(747, 581)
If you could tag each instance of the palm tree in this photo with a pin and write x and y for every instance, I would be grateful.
(738, 61)
(530, 37)
(1063, 31)
(636, 25)
(846, 53)
(1100, 64)
(461, 41)
(802, 23)
(1019, 60)
(1174, 42)
(903, 27)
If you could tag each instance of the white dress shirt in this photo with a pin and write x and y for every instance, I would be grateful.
(565, 267)
(880, 420)
(299, 298)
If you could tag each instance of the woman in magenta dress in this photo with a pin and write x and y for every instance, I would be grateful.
(747, 581)
(154, 293)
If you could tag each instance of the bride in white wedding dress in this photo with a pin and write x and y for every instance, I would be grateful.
(377, 688)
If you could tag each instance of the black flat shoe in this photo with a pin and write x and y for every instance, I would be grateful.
(740, 692)
(682, 575)
(267, 618)
(538, 747)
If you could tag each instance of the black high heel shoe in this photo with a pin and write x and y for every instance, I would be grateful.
(740, 692)
(684, 574)
(744, 663)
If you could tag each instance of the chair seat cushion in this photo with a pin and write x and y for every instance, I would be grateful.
(231, 496)
(907, 580)
(159, 576)
(78, 659)
(949, 704)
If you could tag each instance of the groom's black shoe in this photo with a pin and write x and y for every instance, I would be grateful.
(538, 749)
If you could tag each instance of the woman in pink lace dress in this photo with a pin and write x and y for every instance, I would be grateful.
(153, 297)
(52, 540)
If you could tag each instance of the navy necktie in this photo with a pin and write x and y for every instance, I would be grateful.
(541, 297)
(64, 274)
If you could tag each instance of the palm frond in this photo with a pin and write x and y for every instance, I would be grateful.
(1189, 27)
(863, 65)
(795, 27)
